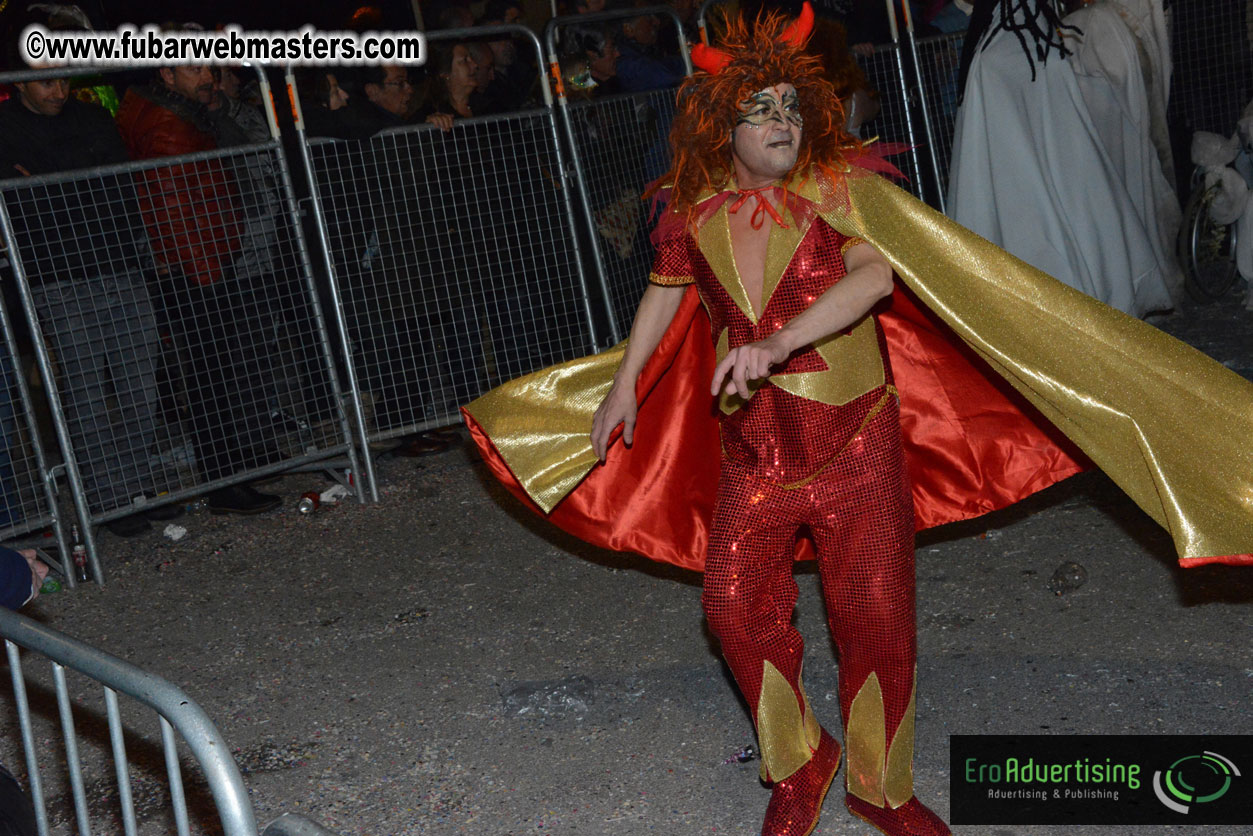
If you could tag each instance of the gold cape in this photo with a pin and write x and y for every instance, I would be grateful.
(1169, 425)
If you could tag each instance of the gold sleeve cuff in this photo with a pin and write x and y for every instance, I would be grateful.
(849, 243)
(670, 281)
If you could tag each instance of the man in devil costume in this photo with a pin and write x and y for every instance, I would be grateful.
(810, 427)
(778, 412)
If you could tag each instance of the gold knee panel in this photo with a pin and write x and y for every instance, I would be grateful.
(876, 773)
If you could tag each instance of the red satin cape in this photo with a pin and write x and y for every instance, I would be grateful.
(972, 444)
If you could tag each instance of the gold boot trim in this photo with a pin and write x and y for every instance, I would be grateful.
(786, 729)
(813, 731)
(865, 743)
(898, 778)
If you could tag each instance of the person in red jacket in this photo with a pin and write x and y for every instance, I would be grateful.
(193, 217)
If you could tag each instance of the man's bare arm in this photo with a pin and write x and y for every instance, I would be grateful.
(868, 280)
(654, 315)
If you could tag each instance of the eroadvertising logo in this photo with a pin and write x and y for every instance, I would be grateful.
(1123, 779)
(1210, 772)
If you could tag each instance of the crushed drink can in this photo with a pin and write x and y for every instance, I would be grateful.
(309, 502)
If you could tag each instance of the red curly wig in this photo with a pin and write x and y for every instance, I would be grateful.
(709, 103)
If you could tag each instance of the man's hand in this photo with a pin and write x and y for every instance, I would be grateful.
(38, 571)
(751, 361)
(443, 121)
(618, 407)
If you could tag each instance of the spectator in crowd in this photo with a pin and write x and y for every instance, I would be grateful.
(599, 52)
(85, 254)
(488, 96)
(195, 225)
(388, 99)
(644, 64)
(454, 81)
(240, 94)
(22, 574)
(517, 78)
(584, 7)
(324, 103)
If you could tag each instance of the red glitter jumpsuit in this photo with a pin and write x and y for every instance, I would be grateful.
(816, 449)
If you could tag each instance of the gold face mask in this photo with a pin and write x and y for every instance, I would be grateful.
(765, 107)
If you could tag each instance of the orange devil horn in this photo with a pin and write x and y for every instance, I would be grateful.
(710, 59)
(801, 28)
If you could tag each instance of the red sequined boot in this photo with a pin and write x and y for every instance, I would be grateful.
(796, 801)
(912, 818)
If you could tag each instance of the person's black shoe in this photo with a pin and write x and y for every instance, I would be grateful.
(242, 499)
(131, 526)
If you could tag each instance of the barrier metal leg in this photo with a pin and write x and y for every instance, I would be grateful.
(71, 751)
(34, 784)
(119, 763)
(177, 798)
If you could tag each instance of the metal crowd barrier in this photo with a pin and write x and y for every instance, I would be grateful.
(452, 255)
(885, 70)
(28, 502)
(619, 144)
(1212, 52)
(938, 59)
(88, 753)
(178, 357)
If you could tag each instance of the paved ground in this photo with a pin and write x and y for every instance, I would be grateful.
(443, 663)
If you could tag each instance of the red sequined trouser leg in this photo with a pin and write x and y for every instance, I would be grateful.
(860, 514)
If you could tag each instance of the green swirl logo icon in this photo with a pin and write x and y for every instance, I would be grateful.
(1194, 779)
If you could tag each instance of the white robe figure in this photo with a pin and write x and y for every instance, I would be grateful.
(1122, 61)
(1055, 170)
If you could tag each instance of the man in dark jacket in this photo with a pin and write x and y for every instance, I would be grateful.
(82, 247)
(193, 217)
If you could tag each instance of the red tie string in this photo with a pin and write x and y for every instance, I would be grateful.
(764, 206)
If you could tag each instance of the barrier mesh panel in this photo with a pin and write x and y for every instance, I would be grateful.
(23, 501)
(177, 313)
(939, 59)
(623, 144)
(455, 262)
(1212, 51)
(891, 124)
